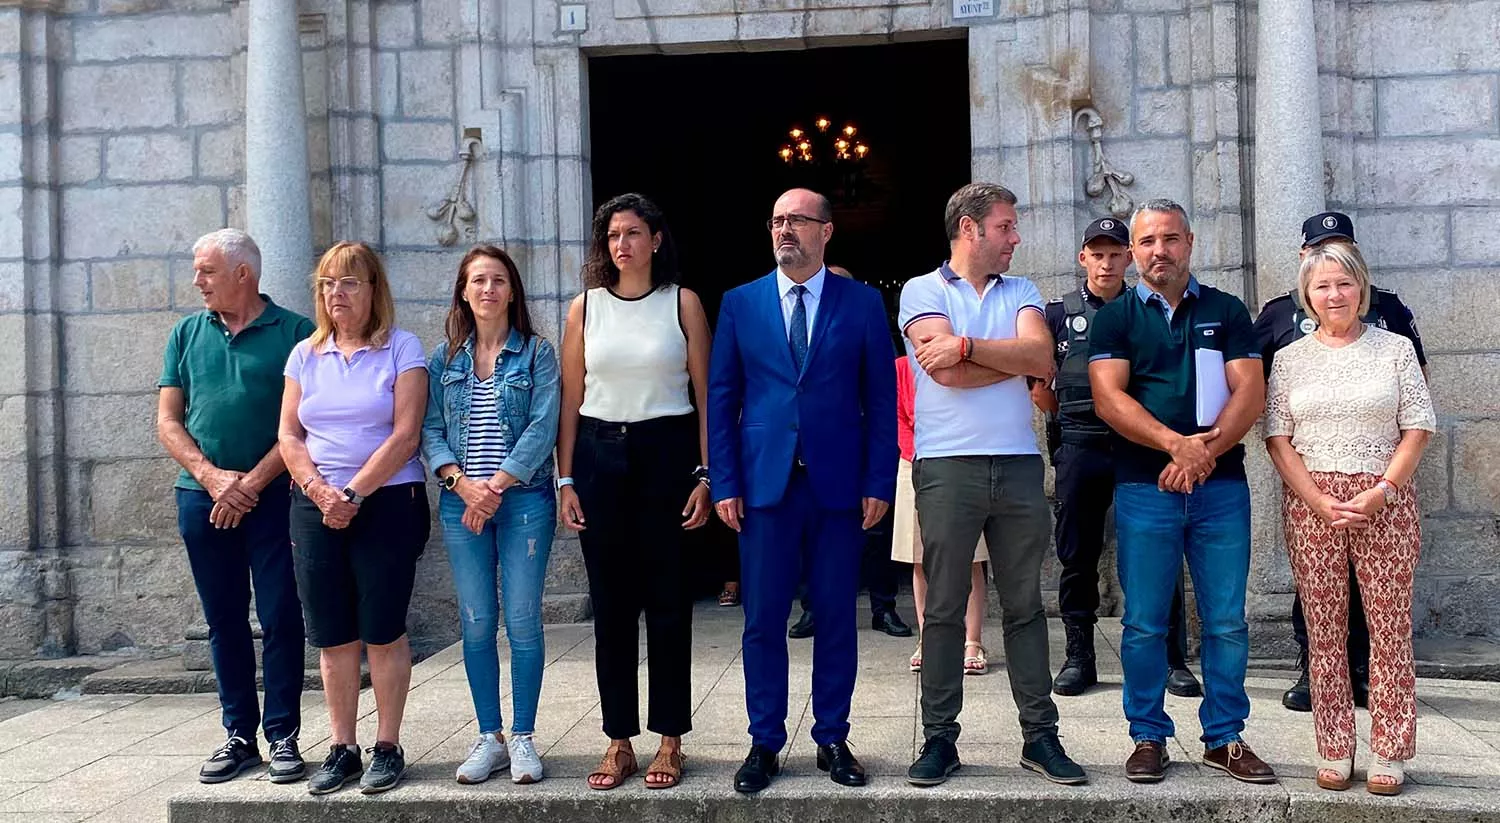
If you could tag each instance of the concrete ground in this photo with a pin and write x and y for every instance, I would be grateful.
(120, 757)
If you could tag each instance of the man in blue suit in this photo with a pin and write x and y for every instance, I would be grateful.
(802, 455)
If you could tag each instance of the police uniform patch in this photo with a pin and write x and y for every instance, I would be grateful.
(1080, 323)
(1330, 221)
(1308, 325)
(1106, 224)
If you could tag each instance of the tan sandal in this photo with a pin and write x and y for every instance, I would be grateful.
(666, 763)
(1381, 767)
(1333, 775)
(619, 763)
(976, 663)
(916, 659)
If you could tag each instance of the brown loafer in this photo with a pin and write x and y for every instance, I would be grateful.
(1148, 763)
(1240, 762)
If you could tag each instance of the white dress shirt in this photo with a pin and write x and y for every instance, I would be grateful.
(814, 294)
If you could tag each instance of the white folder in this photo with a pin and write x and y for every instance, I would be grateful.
(1213, 387)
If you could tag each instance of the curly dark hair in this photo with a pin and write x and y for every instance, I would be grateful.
(600, 269)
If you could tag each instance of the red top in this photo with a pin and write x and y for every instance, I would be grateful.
(906, 400)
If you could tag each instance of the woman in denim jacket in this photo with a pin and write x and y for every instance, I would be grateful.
(490, 429)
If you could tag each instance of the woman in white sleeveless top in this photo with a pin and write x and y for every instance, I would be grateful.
(632, 458)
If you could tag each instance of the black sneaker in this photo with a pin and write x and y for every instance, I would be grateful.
(286, 761)
(342, 766)
(937, 760)
(1046, 757)
(387, 764)
(236, 755)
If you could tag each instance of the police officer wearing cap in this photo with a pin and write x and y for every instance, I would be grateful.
(1283, 320)
(1079, 445)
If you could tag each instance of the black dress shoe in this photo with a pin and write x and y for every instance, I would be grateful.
(841, 765)
(802, 628)
(1181, 682)
(890, 623)
(756, 772)
(937, 760)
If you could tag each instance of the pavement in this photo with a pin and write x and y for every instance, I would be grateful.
(123, 757)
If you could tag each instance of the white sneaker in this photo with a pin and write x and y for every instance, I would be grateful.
(525, 763)
(488, 756)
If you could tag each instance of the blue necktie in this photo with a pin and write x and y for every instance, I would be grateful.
(799, 328)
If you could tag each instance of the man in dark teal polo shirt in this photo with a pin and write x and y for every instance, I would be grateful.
(217, 415)
(1176, 374)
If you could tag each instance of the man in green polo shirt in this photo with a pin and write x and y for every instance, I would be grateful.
(1176, 374)
(217, 415)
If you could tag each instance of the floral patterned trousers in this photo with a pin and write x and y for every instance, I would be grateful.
(1384, 557)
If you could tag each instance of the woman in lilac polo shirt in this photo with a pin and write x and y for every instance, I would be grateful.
(351, 421)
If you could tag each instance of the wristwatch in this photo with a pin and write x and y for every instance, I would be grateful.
(451, 481)
(352, 496)
(1389, 489)
(700, 474)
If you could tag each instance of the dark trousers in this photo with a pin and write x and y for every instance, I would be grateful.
(1000, 497)
(225, 562)
(1085, 489)
(1359, 633)
(632, 482)
(879, 574)
(779, 546)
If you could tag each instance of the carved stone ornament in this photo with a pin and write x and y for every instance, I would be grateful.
(1104, 176)
(456, 209)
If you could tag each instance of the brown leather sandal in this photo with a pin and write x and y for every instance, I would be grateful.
(619, 763)
(668, 764)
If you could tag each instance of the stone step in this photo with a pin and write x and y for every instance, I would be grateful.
(167, 676)
(1011, 795)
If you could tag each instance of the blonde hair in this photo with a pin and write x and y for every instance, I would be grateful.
(1347, 257)
(359, 260)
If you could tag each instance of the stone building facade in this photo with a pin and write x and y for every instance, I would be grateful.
(130, 127)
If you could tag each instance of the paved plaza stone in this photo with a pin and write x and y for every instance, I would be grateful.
(123, 758)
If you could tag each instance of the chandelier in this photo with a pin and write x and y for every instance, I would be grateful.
(824, 144)
(827, 159)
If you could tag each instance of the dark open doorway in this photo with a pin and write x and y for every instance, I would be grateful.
(700, 134)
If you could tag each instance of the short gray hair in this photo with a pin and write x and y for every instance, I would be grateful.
(1346, 256)
(1161, 205)
(974, 201)
(238, 248)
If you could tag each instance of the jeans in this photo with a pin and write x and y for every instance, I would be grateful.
(632, 482)
(516, 542)
(1211, 528)
(224, 563)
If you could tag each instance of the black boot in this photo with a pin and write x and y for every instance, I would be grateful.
(1299, 697)
(1078, 671)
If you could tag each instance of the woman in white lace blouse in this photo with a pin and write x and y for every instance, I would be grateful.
(1347, 417)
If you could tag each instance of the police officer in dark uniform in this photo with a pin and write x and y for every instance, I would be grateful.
(1079, 445)
(1281, 321)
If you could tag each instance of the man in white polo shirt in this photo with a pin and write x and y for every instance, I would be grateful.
(976, 335)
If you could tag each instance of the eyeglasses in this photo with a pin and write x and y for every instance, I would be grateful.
(351, 285)
(796, 221)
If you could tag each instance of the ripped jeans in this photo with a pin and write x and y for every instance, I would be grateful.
(515, 544)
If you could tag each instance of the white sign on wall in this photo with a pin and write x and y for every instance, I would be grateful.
(973, 9)
(576, 17)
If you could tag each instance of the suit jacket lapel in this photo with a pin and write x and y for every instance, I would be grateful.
(776, 326)
(827, 310)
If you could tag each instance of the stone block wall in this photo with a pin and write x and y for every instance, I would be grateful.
(122, 140)
(1411, 102)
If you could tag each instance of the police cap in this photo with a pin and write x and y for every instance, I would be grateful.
(1329, 225)
(1110, 227)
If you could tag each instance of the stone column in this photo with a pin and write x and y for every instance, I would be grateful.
(1288, 139)
(1288, 155)
(276, 177)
